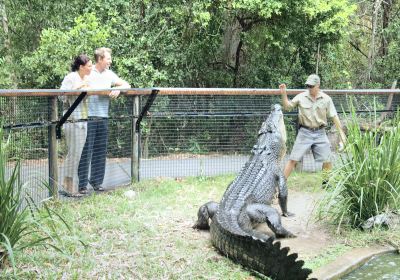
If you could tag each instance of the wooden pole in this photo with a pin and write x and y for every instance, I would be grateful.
(135, 153)
(388, 103)
(53, 165)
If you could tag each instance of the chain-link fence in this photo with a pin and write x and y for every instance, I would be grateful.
(168, 133)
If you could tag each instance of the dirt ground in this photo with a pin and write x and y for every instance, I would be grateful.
(311, 238)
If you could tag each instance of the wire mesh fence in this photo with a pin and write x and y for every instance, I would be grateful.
(180, 135)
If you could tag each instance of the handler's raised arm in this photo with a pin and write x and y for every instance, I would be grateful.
(285, 101)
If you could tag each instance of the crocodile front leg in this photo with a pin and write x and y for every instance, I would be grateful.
(205, 213)
(283, 205)
(262, 213)
(283, 194)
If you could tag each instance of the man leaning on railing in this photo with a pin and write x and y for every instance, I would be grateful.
(95, 149)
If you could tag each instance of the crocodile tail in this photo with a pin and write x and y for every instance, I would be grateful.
(265, 257)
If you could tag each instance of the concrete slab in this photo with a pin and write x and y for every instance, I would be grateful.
(349, 262)
(312, 239)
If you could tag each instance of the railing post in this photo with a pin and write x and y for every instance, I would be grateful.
(53, 166)
(135, 153)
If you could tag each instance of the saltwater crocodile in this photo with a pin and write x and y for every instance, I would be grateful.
(247, 202)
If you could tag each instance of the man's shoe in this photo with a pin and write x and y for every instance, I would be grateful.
(83, 191)
(99, 188)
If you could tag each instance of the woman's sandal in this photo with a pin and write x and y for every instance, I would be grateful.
(77, 195)
(67, 194)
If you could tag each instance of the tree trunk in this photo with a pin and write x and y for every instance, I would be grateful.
(318, 58)
(231, 42)
(231, 47)
(7, 42)
(371, 53)
(237, 64)
(388, 104)
(142, 10)
(4, 22)
(387, 7)
(8, 57)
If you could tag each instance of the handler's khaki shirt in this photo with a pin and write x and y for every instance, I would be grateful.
(312, 113)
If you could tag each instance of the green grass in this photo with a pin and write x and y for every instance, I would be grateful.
(149, 236)
(328, 255)
(305, 182)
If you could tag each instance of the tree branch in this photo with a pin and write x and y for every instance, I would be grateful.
(356, 47)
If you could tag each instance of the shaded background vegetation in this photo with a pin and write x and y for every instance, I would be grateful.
(225, 43)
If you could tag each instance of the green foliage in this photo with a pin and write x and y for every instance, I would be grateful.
(50, 62)
(170, 43)
(263, 8)
(337, 66)
(13, 221)
(286, 40)
(5, 79)
(194, 43)
(368, 181)
(389, 66)
(22, 224)
(331, 16)
(368, 55)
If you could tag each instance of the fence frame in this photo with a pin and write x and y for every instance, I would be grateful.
(55, 124)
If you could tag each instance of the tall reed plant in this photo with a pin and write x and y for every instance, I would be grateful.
(367, 180)
(22, 223)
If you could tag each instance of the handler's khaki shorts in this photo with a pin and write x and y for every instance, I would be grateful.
(317, 141)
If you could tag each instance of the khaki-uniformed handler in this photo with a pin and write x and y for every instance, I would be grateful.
(314, 108)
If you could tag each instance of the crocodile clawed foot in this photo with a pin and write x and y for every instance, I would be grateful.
(290, 235)
(264, 239)
(201, 225)
(285, 234)
(288, 214)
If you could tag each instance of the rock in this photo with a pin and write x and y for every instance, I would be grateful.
(130, 194)
(389, 220)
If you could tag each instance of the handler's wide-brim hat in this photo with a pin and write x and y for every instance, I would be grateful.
(313, 80)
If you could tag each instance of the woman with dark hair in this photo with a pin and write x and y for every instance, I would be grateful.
(76, 130)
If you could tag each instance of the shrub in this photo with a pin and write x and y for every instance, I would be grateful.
(367, 181)
(22, 225)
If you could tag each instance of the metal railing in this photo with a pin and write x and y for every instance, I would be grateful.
(173, 132)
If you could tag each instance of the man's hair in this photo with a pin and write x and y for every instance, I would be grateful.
(100, 53)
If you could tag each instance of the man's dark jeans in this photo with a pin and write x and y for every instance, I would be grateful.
(94, 153)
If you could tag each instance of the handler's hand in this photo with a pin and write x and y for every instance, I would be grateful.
(282, 88)
(114, 93)
(341, 147)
